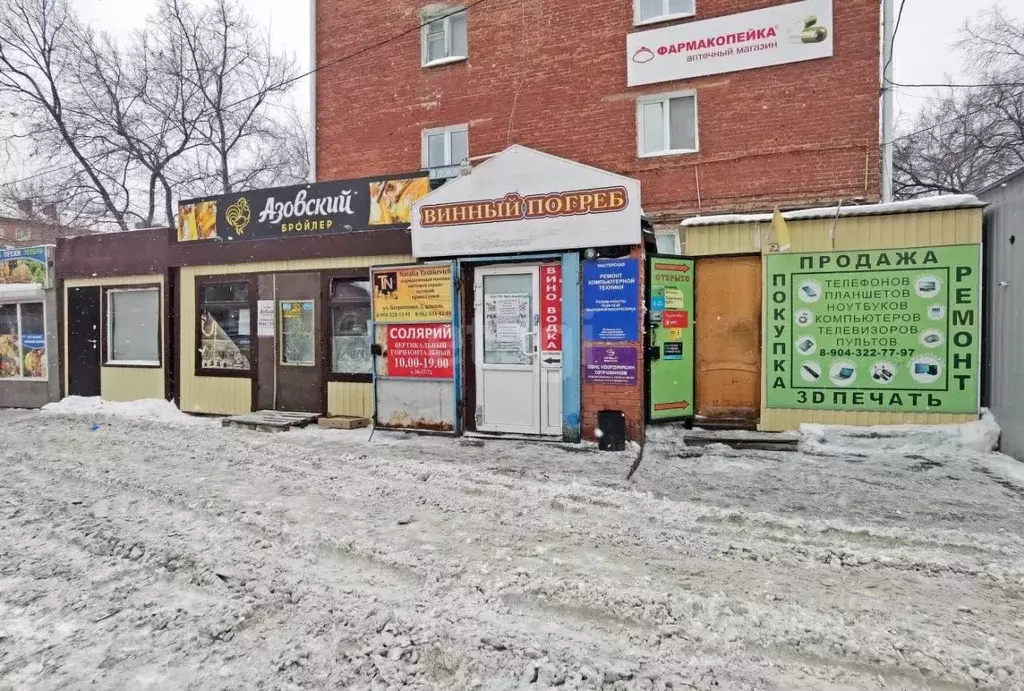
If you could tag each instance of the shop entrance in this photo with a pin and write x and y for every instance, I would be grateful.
(83, 349)
(728, 348)
(518, 389)
(297, 367)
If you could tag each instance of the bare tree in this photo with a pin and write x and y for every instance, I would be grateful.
(964, 139)
(237, 74)
(196, 104)
(39, 58)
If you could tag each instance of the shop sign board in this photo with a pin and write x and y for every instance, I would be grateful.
(891, 330)
(551, 309)
(323, 208)
(610, 365)
(611, 297)
(671, 337)
(524, 200)
(783, 33)
(25, 266)
(420, 351)
(412, 294)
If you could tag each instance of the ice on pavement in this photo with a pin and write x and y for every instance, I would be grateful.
(146, 555)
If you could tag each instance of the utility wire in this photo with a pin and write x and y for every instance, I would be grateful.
(289, 81)
(892, 45)
(953, 86)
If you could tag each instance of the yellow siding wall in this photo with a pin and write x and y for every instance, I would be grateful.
(345, 398)
(896, 231)
(123, 383)
(233, 395)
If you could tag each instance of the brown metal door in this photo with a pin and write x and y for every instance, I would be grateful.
(297, 351)
(728, 335)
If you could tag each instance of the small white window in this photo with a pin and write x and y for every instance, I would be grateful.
(667, 125)
(445, 146)
(651, 11)
(133, 327)
(445, 38)
(668, 242)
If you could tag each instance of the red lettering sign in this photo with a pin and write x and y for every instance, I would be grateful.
(551, 307)
(420, 351)
(675, 319)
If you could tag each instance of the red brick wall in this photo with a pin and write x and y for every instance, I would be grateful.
(551, 74)
(629, 399)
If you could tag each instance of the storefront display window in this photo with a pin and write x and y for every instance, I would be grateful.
(350, 332)
(225, 327)
(22, 341)
(297, 332)
(133, 327)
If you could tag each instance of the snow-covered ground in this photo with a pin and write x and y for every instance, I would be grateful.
(139, 553)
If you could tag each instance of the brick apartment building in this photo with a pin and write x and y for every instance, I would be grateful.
(17, 232)
(552, 75)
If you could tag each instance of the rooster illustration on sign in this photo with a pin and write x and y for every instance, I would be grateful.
(238, 215)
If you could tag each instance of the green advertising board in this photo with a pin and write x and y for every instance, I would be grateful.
(880, 330)
(670, 338)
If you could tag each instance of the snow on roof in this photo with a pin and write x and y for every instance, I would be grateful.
(939, 203)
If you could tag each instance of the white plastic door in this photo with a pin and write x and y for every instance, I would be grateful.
(508, 391)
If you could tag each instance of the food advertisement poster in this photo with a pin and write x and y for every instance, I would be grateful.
(420, 351)
(405, 294)
(892, 330)
(610, 365)
(23, 266)
(611, 298)
(671, 338)
(22, 341)
(323, 208)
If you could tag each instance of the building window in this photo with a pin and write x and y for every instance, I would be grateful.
(445, 146)
(22, 341)
(667, 125)
(297, 332)
(444, 38)
(133, 327)
(350, 327)
(668, 242)
(225, 327)
(651, 11)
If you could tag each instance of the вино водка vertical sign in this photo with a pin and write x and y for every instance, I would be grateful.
(879, 330)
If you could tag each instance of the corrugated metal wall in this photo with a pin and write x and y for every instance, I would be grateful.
(123, 383)
(233, 395)
(1004, 309)
(895, 231)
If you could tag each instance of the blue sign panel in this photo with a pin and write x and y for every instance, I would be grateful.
(611, 299)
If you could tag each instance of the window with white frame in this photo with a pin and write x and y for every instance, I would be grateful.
(445, 146)
(668, 242)
(444, 37)
(133, 327)
(666, 124)
(650, 11)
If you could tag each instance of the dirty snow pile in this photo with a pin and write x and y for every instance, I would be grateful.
(981, 435)
(146, 408)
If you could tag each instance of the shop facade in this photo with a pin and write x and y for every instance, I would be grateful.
(543, 261)
(28, 328)
(862, 315)
(273, 297)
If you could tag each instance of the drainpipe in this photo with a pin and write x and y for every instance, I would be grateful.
(312, 91)
(888, 32)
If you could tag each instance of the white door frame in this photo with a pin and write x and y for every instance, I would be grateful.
(531, 346)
